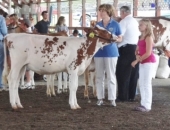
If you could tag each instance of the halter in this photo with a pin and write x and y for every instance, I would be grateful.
(12, 28)
(111, 39)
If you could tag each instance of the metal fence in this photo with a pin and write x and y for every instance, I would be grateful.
(151, 5)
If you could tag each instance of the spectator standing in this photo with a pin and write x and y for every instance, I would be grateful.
(61, 26)
(145, 56)
(126, 75)
(42, 26)
(3, 32)
(106, 58)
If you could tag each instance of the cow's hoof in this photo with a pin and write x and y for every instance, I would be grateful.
(53, 95)
(73, 108)
(48, 95)
(89, 101)
(65, 90)
(86, 96)
(78, 107)
(14, 107)
(20, 106)
(59, 91)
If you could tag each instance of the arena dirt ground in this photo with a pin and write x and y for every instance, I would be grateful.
(53, 113)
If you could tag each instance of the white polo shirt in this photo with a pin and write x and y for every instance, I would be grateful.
(130, 31)
(28, 30)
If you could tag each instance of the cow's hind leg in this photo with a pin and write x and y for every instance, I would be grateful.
(65, 75)
(22, 72)
(13, 78)
(48, 79)
(73, 85)
(59, 90)
(52, 85)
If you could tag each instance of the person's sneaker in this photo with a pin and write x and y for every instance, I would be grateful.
(112, 103)
(141, 109)
(99, 102)
(25, 86)
(131, 100)
(22, 87)
(118, 100)
(1, 89)
(4, 88)
(31, 87)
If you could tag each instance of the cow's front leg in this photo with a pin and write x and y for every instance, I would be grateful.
(73, 84)
(65, 76)
(59, 90)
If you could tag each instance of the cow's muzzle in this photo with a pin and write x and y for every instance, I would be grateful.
(92, 35)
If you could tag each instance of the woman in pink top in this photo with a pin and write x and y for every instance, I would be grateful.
(145, 56)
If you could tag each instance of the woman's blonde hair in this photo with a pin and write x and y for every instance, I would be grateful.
(60, 20)
(149, 28)
(108, 8)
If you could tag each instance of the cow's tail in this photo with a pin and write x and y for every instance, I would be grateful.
(6, 67)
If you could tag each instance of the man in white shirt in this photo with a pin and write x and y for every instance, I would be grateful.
(126, 75)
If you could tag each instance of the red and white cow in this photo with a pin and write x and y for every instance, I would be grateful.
(51, 54)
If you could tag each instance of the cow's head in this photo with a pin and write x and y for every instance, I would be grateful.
(99, 32)
(158, 29)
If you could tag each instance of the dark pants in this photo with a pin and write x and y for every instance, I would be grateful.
(127, 76)
(1, 61)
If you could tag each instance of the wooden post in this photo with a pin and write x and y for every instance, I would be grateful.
(70, 15)
(157, 9)
(83, 14)
(39, 13)
(9, 7)
(98, 3)
(58, 8)
(135, 9)
(115, 6)
(48, 6)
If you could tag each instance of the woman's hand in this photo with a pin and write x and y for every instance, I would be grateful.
(134, 63)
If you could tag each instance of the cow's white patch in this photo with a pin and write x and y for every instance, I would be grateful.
(102, 28)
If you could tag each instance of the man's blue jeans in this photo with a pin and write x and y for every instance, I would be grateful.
(1, 61)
